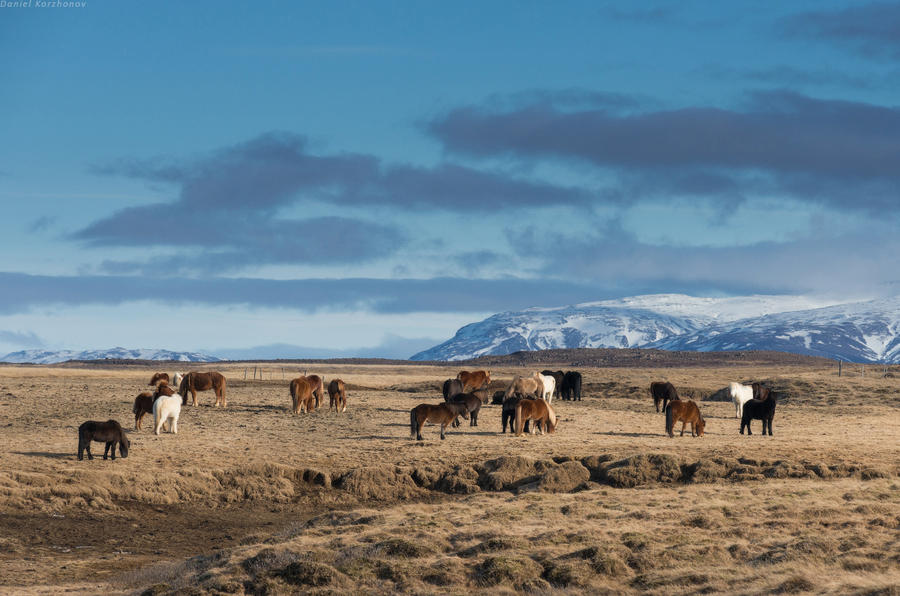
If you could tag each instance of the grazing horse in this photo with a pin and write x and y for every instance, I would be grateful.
(571, 386)
(474, 380)
(549, 387)
(740, 394)
(109, 432)
(157, 377)
(317, 385)
(451, 387)
(526, 386)
(508, 413)
(537, 410)
(757, 409)
(203, 381)
(337, 396)
(166, 409)
(760, 392)
(684, 412)
(143, 404)
(662, 391)
(558, 377)
(442, 414)
(473, 405)
(301, 395)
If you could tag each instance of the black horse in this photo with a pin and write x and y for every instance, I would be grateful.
(662, 392)
(109, 432)
(558, 376)
(758, 409)
(571, 386)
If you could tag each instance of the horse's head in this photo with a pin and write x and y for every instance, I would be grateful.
(701, 425)
(462, 410)
(163, 389)
(124, 444)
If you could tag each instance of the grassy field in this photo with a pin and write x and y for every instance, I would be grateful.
(252, 499)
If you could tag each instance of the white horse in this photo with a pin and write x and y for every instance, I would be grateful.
(166, 410)
(740, 394)
(549, 387)
(176, 379)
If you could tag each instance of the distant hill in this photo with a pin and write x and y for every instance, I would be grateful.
(56, 356)
(855, 332)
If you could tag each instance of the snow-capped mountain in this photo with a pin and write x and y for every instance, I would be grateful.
(859, 332)
(54, 356)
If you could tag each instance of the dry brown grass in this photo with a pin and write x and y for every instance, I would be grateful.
(270, 502)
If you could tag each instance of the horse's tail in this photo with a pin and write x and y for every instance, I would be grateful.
(551, 418)
(184, 385)
(412, 423)
(294, 391)
(520, 424)
(670, 420)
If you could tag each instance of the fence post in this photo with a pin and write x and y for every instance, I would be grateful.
(840, 364)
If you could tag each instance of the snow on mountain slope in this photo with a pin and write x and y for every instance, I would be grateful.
(52, 357)
(859, 332)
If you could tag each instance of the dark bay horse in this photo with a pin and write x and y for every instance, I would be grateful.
(474, 380)
(451, 387)
(301, 395)
(571, 386)
(203, 381)
(760, 392)
(109, 432)
(156, 378)
(473, 405)
(337, 395)
(558, 376)
(758, 409)
(442, 414)
(662, 392)
(143, 404)
(684, 412)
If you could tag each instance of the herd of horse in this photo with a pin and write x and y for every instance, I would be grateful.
(527, 399)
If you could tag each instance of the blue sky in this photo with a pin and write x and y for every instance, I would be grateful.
(366, 177)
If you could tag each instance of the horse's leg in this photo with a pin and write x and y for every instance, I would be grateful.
(443, 426)
(87, 448)
(420, 422)
(656, 403)
(683, 424)
(193, 397)
(173, 425)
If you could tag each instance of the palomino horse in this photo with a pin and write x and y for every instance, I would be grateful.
(143, 404)
(662, 392)
(549, 387)
(474, 380)
(337, 396)
(109, 432)
(451, 387)
(203, 381)
(537, 410)
(740, 394)
(757, 409)
(571, 386)
(166, 409)
(533, 385)
(301, 395)
(157, 377)
(442, 414)
(473, 404)
(684, 412)
(558, 377)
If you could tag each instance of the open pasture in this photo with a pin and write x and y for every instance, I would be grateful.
(252, 498)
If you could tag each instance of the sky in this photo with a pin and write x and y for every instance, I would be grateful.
(299, 179)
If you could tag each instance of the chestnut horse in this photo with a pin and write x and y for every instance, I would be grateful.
(662, 392)
(757, 409)
(109, 432)
(143, 404)
(442, 414)
(156, 378)
(337, 396)
(533, 385)
(451, 387)
(537, 410)
(508, 413)
(301, 395)
(684, 412)
(203, 381)
(317, 386)
(474, 380)
(473, 404)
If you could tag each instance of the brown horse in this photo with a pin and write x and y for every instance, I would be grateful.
(198, 381)
(143, 404)
(317, 384)
(473, 405)
(451, 387)
(684, 412)
(537, 410)
(163, 389)
(156, 378)
(474, 380)
(508, 413)
(760, 392)
(442, 414)
(337, 395)
(533, 385)
(109, 432)
(301, 395)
